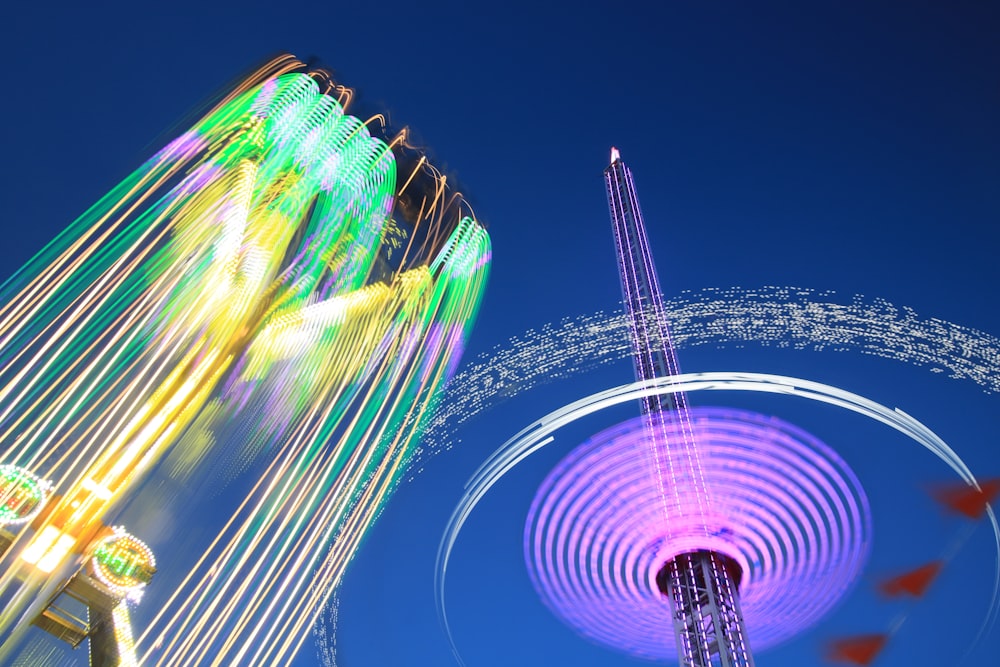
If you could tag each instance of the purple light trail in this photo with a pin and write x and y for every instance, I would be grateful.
(784, 506)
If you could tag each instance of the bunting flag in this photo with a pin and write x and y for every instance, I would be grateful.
(859, 650)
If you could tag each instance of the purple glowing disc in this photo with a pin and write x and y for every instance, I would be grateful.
(780, 503)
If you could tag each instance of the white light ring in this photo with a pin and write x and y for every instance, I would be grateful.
(539, 434)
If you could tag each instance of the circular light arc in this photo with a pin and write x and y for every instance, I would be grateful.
(540, 433)
(781, 504)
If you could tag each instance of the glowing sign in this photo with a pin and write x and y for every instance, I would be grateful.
(124, 564)
(22, 495)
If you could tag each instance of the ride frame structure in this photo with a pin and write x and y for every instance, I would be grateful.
(701, 586)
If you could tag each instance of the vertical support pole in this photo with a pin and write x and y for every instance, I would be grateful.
(103, 645)
(702, 587)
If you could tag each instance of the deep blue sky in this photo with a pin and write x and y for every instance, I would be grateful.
(843, 146)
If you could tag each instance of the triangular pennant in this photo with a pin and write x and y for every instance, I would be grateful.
(914, 582)
(860, 650)
(967, 500)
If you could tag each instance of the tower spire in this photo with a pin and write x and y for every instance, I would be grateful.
(702, 586)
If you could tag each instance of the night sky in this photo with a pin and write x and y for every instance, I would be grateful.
(850, 147)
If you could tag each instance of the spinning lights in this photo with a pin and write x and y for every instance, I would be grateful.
(784, 507)
(283, 285)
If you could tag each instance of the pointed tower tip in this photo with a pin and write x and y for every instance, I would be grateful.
(615, 155)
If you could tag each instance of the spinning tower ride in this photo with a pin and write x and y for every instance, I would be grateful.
(702, 587)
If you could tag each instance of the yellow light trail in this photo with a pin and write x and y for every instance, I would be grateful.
(247, 279)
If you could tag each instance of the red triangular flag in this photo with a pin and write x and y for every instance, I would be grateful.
(860, 650)
(969, 501)
(914, 582)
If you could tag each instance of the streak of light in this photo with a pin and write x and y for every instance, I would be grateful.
(237, 299)
(534, 436)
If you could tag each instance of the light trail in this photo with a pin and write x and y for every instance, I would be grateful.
(785, 507)
(540, 433)
(240, 295)
(780, 317)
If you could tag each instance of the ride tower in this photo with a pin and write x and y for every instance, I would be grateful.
(701, 586)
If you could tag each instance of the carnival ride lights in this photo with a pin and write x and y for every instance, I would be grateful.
(700, 586)
(968, 498)
(121, 564)
(788, 317)
(22, 495)
(124, 564)
(638, 529)
(786, 511)
(278, 286)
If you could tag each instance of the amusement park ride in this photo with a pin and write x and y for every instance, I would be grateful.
(92, 602)
(289, 273)
(731, 531)
(685, 517)
(285, 285)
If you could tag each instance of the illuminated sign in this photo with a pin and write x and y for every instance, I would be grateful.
(22, 495)
(124, 564)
